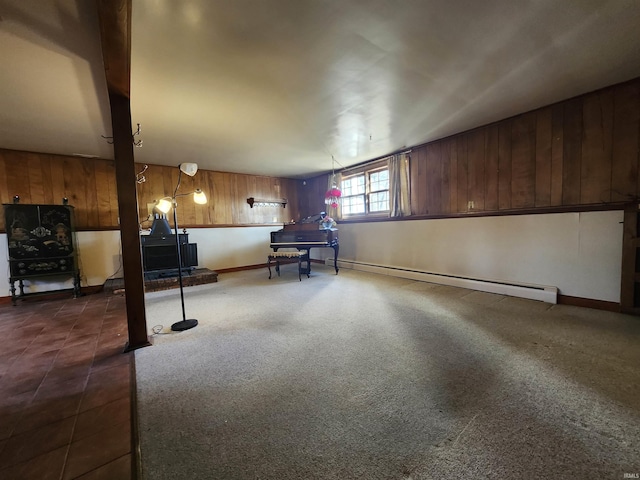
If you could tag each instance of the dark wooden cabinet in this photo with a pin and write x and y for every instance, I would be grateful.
(42, 245)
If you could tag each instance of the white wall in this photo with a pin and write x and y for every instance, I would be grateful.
(100, 254)
(579, 253)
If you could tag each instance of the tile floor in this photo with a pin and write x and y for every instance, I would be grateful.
(65, 390)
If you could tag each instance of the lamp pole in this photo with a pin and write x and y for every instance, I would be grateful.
(164, 206)
(184, 324)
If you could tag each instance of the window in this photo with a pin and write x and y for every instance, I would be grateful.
(366, 192)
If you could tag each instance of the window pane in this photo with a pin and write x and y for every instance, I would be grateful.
(379, 180)
(353, 185)
(379, 202)
(353, 205)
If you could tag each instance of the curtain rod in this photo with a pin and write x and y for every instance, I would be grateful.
(358, 165)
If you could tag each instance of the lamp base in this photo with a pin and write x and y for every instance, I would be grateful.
(184, 325)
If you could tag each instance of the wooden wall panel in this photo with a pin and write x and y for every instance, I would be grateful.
(453, 161)
(17, 181)
(572, 152)
(523, 161)
(90, 186)
(34, 174)
(595, 172)
(208, 185)
(419, 181)
(149, 192)
(504, 166)
(186, 205)
(557, 154)
(476, 167)
(462, 172)
(91, 195)
(434, 178)
(47, 181)
(311, 198)
(492, 152)
(75, 189)
(544, 131)
(447, 190)
(103, 169)
(57, 180)
(626, 143)
(5, 193)
(240, 200)
(290, 189)
(255, 214)
(229, 186)
(583, 151)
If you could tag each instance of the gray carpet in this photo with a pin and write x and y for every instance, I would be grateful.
(362, 376)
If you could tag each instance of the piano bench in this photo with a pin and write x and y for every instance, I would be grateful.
(277, 256)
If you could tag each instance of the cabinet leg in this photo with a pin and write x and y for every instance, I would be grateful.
(76, 285)
(12, 289)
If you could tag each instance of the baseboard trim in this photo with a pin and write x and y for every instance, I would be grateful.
(258, 266)
(53, 294)
(544, 293)
(240, 269)
(589, 303)
(397, 272)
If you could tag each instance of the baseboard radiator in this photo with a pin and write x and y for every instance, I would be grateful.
(533, 292)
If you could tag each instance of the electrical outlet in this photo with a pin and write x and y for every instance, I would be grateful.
(470, 205)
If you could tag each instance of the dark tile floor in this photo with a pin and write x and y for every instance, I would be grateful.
(65, 390)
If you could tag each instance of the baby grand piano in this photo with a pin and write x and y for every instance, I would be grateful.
(305, 236)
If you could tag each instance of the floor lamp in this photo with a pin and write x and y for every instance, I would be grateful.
(164, 205)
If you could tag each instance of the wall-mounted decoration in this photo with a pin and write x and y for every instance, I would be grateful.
(266, 202)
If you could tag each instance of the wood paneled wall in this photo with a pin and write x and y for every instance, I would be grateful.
(580, 152)
(583, 151)
(227, 194)
(90, 186)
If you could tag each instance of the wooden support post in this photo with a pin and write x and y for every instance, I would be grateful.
(129, 222)
(115, 30)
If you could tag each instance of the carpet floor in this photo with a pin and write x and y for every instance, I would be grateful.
(364, 376)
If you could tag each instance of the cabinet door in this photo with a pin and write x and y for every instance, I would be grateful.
(630, 287)
(40, 239)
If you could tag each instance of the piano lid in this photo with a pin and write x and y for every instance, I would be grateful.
(294, 227)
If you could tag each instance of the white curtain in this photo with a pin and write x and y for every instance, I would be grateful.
(334, 212)
(399, 186)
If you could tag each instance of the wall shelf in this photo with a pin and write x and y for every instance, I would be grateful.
(267, 202)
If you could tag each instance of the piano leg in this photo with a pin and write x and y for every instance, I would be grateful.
(335, 257)
(306, 269)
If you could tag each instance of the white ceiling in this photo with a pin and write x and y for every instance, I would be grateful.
(278, 87)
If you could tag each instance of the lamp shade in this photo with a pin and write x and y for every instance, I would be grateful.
(199, 197)
(163, 205)
(189, 168)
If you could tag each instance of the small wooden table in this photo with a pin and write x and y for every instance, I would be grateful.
(277, 256)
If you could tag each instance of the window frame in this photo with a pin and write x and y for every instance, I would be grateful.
(366, 171)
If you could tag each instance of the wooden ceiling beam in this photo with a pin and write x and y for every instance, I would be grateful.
(115, 32)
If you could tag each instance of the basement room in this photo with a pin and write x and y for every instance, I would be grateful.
(319, 239)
